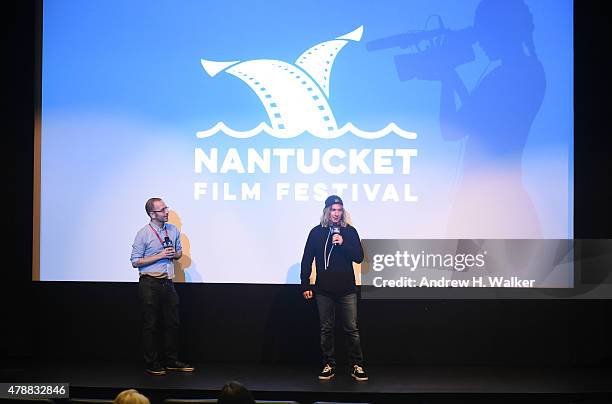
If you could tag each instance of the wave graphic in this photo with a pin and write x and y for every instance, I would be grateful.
(263, 127)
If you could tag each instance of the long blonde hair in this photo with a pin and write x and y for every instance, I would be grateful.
(325, 217)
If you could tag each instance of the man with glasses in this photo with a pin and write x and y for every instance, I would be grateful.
(155, 248)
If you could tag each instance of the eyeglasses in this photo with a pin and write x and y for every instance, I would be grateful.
(166, 209)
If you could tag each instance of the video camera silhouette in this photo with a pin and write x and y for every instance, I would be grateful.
(433, 51)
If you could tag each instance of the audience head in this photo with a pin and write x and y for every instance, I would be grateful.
(235, 393)
(131, 396)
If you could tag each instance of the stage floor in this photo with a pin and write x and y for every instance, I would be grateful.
(386, 384)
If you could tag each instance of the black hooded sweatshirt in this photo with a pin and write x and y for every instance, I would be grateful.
(338, 279)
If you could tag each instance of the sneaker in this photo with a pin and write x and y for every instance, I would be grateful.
(155, 369)
(359, 374)
(327, 373)
(179, 366)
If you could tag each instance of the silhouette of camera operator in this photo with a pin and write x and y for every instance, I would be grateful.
(493, 119)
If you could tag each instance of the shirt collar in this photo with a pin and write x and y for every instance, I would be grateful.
(156, 227)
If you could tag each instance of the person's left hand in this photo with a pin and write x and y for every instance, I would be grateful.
(169, 252)
(337, 239)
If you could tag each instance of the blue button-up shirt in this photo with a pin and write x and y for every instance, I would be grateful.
(146, 244)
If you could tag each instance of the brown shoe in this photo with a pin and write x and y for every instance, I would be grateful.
(179, 366)
(155, 369)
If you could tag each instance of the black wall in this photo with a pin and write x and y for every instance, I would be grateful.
(271, 323)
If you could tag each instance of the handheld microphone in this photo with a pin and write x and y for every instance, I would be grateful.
(335, 230)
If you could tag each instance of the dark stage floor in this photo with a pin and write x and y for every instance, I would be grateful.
(386, 384)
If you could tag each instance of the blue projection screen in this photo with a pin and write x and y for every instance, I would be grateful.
(432, 119)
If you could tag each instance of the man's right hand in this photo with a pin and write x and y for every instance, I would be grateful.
(307, 294)
(167, 253)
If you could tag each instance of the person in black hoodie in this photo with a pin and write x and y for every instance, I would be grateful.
(334, 245)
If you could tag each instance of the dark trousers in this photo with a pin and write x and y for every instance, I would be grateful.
(346, 306)
(159, 303)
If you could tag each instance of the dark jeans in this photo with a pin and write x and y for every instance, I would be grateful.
(347, 308)
(159, 303)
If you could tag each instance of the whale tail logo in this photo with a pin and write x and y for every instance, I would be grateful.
(295, 95)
